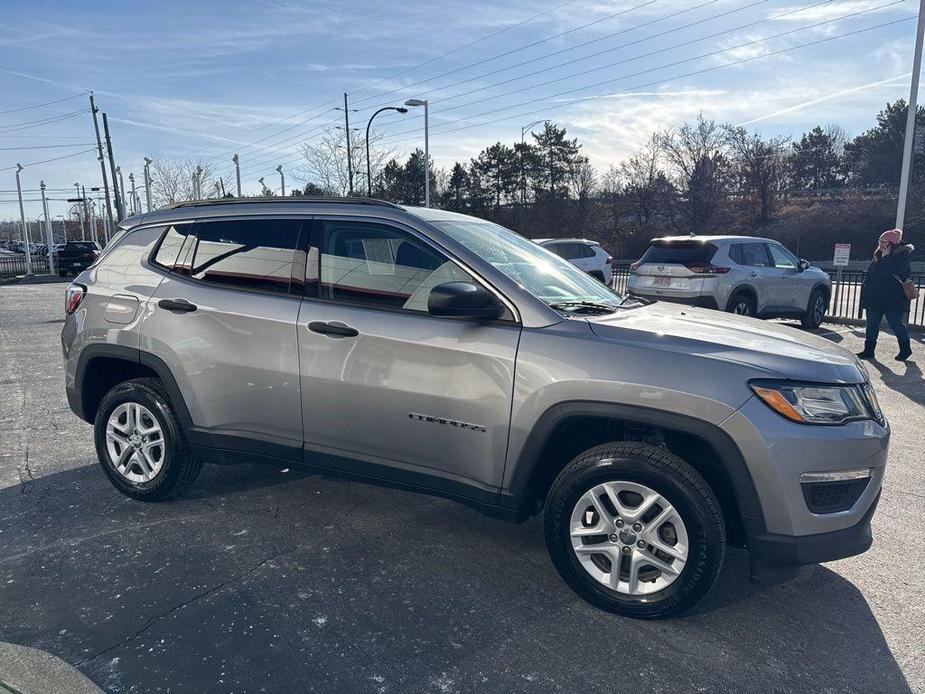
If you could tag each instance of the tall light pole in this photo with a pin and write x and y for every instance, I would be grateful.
(910, 120)
(83, 234)
(423, 102)
(49, 236)
(237, 172)
(263, 186)
(523, 168)
(22, 217)
(369, 173)
(282, 181)
(131, 179)
(147, 172)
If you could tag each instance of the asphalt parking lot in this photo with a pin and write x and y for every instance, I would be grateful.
(263, 579)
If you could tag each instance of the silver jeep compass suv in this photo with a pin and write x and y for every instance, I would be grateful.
(448, 355)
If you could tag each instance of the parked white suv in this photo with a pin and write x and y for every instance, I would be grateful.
(739, 274)
(586, 255)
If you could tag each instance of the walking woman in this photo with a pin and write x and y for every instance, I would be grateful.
(882, 293)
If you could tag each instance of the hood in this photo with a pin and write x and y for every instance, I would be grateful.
(775, 349)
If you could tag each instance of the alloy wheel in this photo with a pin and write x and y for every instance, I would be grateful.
(629, 538)
(135, 442)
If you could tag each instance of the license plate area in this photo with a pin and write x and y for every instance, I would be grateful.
(661, 282)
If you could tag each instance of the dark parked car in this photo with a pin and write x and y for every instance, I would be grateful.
(76, 256)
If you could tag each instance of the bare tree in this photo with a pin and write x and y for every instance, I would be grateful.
(699, 167)
(325, 162)
(172, 180)
(760, 168)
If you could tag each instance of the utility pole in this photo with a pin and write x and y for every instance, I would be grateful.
(22, 217)
(120, 210)
(49, 236)
(92, 206)
(237, 172)
(80, 215)
(83, 194)
(99, 147)
(282, 181)
(910, 120)
(148, 182)
(349, 154)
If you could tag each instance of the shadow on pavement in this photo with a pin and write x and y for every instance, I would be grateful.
(292, 582)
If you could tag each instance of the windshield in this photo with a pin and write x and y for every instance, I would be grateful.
(542, 273)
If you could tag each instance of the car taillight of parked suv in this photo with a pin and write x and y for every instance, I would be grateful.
(739, 274)
(448, 355)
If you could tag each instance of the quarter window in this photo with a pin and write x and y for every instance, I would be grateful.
(246, 254)
(379, 266)
(173, 240)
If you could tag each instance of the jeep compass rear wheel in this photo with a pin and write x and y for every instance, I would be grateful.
(635, 530)
(140, 443)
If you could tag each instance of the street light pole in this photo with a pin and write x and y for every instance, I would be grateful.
(148, 182)
(83, 234)
(22, 216)
(349, 154)
(121, 188)
(423, 102)
(910, 120)
(237, 172)
(131, 178)
(282, 181)
(369, 175)
(49, 236)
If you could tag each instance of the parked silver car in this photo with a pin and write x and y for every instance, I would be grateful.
(448, 355)
(740, 274)
(590, 256)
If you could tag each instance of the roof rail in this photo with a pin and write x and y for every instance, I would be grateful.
(276, 200)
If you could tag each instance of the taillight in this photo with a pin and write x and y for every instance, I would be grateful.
(707, 269)
(73, 295)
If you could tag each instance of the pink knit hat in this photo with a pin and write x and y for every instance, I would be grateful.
(892, 236)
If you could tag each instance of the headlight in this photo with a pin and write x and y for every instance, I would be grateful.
(809, 403)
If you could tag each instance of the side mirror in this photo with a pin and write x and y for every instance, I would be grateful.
(803, 265)
(463, 300)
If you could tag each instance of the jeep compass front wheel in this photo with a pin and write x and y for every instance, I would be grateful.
(140, 443)
(635, 530)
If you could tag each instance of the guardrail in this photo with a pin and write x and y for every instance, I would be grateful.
(13, 266)
(845, 302)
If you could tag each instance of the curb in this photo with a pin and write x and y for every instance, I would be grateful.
(25, 670)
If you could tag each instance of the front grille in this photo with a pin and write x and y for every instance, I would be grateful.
(831, 497)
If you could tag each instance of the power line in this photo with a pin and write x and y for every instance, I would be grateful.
(45, 161)
(667, 65)
(35, 124)
(78, 144)
(47, 103)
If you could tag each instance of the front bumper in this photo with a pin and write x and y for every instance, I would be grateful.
(776, 558)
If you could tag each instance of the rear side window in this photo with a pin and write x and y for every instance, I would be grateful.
(169, 249)
(678, 252)
(246, 254)
(751, 254)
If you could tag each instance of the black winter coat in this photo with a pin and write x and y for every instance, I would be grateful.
(881, 291)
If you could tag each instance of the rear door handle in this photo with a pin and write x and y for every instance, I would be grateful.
(333, 329)
(176, 305)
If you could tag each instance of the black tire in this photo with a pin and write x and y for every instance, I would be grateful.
(680, 485)
(178, 469)
(815, 311)
(743, 304)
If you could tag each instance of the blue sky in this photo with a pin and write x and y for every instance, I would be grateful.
(206, 79)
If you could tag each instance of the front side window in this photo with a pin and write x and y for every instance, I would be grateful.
(246, 254)
(539, 271)
(380, 266)
(782, 257)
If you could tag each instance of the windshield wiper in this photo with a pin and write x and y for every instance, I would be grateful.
(585, 306)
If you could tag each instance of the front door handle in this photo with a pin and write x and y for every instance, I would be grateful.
(176, 305)
(333, 329)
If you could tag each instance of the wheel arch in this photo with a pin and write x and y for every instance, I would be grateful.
(101, 367)
(567, 429)
(742, 289)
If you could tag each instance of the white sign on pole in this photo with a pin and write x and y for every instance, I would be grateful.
(842, 254)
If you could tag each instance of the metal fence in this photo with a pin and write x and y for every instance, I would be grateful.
(845, 302)
(13, 266)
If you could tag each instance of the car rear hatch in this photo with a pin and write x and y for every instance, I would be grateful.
(675, 267)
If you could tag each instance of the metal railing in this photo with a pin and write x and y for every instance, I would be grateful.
(845, 302)
(14, 266)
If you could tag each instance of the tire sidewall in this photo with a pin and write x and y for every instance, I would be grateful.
(809, 321)
(170, 472)
(705, 551)
(742, 297)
